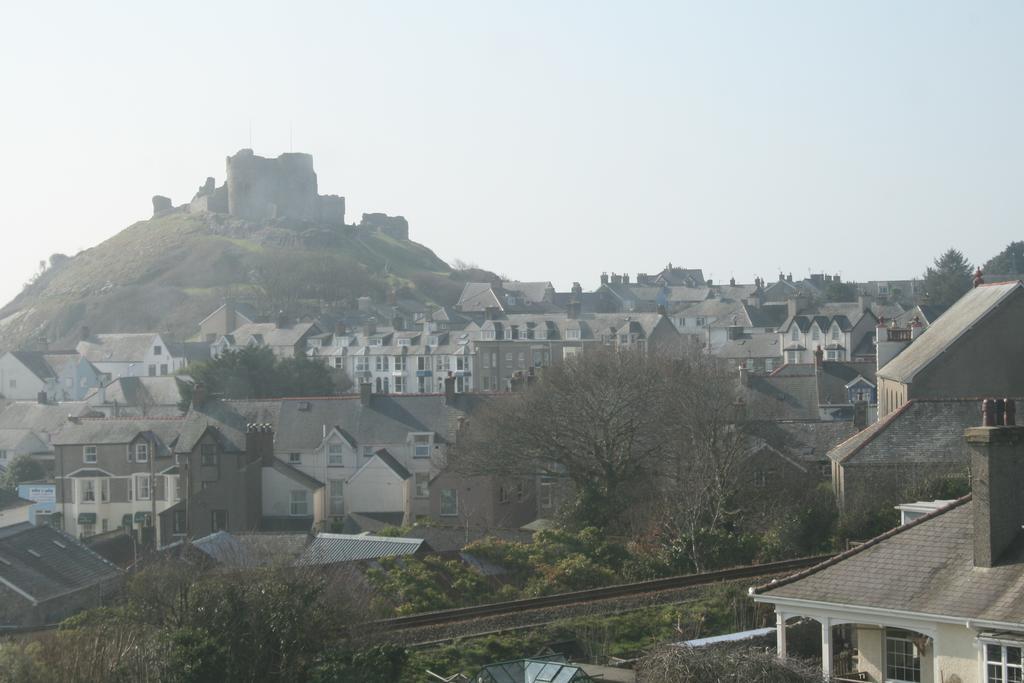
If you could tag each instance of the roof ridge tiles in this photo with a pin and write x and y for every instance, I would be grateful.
(835, 559)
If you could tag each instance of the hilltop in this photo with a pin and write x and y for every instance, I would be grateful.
(271, 247)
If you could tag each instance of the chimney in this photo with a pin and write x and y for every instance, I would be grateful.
(572, 311)
(916, 328)
(997, 477)
(860, 415)
(339, 329)
(282, 320)
(792, 307)
(864, 302)
(259, 444)
(577, 291)
(819, 356)
(662, 311)
(198, 395)
(625, 278)
(789, 278)
(604, 278)
(230, 317)
(41, 398)
(979, 278)
(365, 393)
(616, 279)
(732, 282)
(369, 328)
(84, 333)
(449, 389)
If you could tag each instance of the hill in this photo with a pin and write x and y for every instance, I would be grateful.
(165, 274)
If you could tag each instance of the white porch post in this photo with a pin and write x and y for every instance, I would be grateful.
(780, 634)
(826, 646)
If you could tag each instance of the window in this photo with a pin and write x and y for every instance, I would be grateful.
(105, 525)
(422, 363)
(142, 487)
(520, 491)
(422, 485)
(157, 350)
(488, 335)
(337, 497)
(1003, 664)
(449, 502)
(151, 370)
(815, 333)
(795, 335)
(208, 455)
(335, 454)
(89, 454)
(218, 520)
(381, 364)
(902, 661)
(421, 385)
(178, 523)
(104, 491)
(546, 493)
(522, 359)
(792, 357)
(399, 363)
(399, 384)
(502, 494)
(442, 363)
(769, 364)
(421, 445)
(376, 341)
(88, 491)
(163, 368)
(362, 364)
(295, 458)
(339, 362)
(487, 383)
(141, 452)
(299, 503)
(763, 477)
(177, 488)
(573, 335)
(461, 363)
(835, 333)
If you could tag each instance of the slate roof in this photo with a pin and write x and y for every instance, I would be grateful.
(805, 441)
(228, 419)
(43, 419)
(270, 334)
(782, 396)
(966, 313)
(42, 563)
(138, 391)
(764, 345)
(118, 431)
(921, 431)
(387, 419)
(12, 439)
(478, 296)
(389, 460)
(116, 348)
(923, 567)
(36, 363)
(333, 548)
(10, 500)
(835, 375)
(296, 475)
(681, 276)
(534, 292)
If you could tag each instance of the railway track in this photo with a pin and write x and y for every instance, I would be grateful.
(623, 590)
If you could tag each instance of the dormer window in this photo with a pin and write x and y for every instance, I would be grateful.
(835, 333)
(514, 334)
(795, 334)
(142, 452)
(572, 334)
(376, 341)
(511, 301)
(815, 333)
(335, 454)
(421, 445)
(488, 335)
(404, 342)
(158, 350)
(433, 341)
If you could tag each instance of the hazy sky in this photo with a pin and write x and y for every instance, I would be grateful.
(544, 140)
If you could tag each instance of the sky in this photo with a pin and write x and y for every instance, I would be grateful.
(544, 140)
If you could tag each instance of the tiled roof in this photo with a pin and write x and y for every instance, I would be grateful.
(923, 567)
(921, 431)
(227, 420)
(118, 431)
(42, 563)
(782, 397)
(764, 345)
(272, 335)
(966, 313)
(332, 548)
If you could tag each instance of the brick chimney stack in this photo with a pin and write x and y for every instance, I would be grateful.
(365, 393)
(819, 357)
(997, 478)
(449, 389)
(259, 443)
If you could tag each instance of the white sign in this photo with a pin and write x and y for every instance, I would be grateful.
(41, 494)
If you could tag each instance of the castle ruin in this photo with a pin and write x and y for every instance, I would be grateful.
(259, 188)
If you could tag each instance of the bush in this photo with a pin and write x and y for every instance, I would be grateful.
(673, 664)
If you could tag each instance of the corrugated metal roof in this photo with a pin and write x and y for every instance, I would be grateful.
(333, 548)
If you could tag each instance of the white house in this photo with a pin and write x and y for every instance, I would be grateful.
(131, 355)
(61, 376)
(935, 600)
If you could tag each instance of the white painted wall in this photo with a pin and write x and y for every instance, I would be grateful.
(375, 488)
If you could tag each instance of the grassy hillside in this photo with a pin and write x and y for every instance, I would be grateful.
(167, 273)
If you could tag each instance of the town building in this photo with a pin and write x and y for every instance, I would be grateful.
(142, 354)
(50, 376)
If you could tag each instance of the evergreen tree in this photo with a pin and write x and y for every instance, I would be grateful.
(949, 279)
(1009, 261)
(21, 469)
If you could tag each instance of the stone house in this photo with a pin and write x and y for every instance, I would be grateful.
(113, 473)
(934, 600)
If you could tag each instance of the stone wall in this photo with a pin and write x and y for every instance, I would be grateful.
(394, 226)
